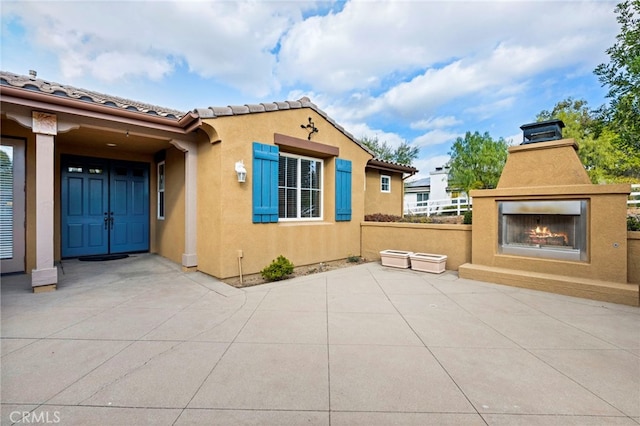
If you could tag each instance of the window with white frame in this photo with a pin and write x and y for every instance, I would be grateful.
(299, 187)
(385, 183)
(422, 197)
(161, 183)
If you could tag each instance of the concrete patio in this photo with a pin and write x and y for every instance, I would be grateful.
(136, 341)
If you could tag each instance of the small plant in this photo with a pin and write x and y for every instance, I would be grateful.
(279, 269)
(633, 223)
(353, 259)
(467, 219)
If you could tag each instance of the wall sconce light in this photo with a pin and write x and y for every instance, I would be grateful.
(241, 171)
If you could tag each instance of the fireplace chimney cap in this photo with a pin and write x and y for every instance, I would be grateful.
(542, 131)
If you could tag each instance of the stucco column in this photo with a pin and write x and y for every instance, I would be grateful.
(45, 276)
(190, 149)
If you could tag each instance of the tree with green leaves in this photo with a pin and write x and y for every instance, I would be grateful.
(403, 154)
(622, 76)
(599, 148)
(476, 161)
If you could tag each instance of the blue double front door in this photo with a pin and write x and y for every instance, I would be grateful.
(105, 206)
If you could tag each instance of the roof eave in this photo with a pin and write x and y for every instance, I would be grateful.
(57, 103)
(390, 167)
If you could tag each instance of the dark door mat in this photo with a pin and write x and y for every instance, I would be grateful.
(102, 257)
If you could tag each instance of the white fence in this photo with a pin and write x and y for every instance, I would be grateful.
(459, 205)
(634, 197)
(445, 206)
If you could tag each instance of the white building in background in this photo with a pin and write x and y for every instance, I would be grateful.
(419, 193)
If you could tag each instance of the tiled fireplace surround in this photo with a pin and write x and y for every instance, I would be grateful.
(547, 173)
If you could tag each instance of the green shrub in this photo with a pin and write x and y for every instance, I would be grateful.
(353, 259)
(633, 223)
(468, 217)
(278, 270)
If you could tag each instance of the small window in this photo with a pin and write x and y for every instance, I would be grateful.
(138, 173)
(422, 197)
(75, 169)
(385, 183)
(95, 171)
(161, 181)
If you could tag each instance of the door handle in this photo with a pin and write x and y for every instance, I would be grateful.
(111, 220)
(106, 220)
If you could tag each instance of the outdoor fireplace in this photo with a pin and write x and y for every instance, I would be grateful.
(544, 229)
(547, 227)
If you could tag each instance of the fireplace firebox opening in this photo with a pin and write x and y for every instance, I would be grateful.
(545, 229)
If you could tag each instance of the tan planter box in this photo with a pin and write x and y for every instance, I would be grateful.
(427, 262)
(396, 258)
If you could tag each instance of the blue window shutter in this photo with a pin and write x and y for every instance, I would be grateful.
(343, 190)
(265, 183)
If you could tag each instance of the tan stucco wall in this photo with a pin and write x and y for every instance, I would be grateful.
(377, 201)
(543, 164)
(633, 257)
(170, 230)
(454, 241)
(225, 205)
(210, 205)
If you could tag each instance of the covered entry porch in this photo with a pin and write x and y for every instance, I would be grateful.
(88, 168)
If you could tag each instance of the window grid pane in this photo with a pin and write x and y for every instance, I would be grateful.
(299, 188)
(385, 183)
(161, 184)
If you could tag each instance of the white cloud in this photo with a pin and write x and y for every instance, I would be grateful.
(369, 42)
(386, 68)
(435, 137)
(435, 123)
(360, 130)
(230, 41)
(484, 111)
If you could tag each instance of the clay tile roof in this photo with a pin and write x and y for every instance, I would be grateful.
(56, 89)
(304, 102)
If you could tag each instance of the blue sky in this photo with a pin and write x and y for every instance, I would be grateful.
(424, 72)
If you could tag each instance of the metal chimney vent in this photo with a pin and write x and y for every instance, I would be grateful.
(542, 131)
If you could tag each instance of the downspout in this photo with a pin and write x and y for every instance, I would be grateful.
(402, 198)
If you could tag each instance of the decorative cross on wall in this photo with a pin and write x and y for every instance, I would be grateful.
(311, 128)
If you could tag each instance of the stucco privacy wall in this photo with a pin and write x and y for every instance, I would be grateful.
(454, 241)
(384, 202)
(225, 224)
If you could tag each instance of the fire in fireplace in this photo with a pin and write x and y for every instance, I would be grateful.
(547, 229)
